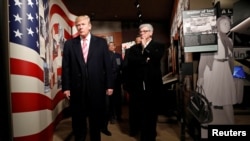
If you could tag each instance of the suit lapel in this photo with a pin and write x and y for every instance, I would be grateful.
(150, 45)
(91, 46)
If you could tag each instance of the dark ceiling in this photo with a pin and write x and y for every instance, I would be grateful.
(123, 10)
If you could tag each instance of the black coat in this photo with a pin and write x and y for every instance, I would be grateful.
(87, 80)
(139, 70)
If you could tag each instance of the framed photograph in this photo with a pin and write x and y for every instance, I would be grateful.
(199, 30)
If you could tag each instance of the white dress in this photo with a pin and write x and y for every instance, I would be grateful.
(220, 86)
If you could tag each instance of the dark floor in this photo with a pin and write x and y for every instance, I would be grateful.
(168, 128)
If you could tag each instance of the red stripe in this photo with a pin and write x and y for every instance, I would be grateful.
(56, 28)
(22, 67)
(59, 71)
(67, 35)
(44, 135)
(55, 9)
(59, 96)
(25, 102)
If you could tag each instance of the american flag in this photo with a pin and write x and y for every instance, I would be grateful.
(37, 30)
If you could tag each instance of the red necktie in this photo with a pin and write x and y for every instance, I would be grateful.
(85, 49)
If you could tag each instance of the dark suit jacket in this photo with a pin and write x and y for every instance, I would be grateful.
(118, 68)
(87, 82)
(139, 69)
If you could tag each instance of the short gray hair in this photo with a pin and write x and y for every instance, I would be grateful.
(149, 26)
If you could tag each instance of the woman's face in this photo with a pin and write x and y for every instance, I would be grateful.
(225, 25)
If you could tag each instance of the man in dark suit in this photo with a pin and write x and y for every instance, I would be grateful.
(144, 84)
(114, 102)
(86, 80)
(116, 98)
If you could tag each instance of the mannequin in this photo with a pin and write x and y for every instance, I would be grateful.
(215, 77)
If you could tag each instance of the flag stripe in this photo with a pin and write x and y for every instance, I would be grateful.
(22, 83)
(67, 34)
(29, 123)
(26, 68)
(21, 52)
(33, 102)
(46, 133)
(30, 102)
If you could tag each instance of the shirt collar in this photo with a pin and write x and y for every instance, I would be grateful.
(87, 37)
(147, 43)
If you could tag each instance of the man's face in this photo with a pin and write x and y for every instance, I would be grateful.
(83, 26)
(145, 33)
(111, 46)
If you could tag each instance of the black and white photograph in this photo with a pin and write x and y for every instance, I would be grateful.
(199, 30)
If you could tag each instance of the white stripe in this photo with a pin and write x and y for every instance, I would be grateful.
(24, 53)
(21, 83)
(29, 123)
